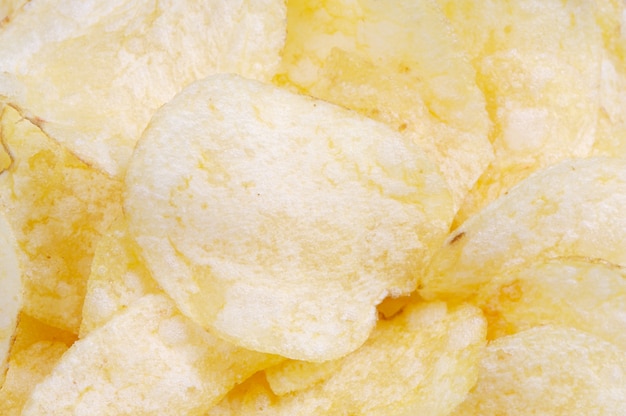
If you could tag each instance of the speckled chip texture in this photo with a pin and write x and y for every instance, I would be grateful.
(422, 362)
(148, 360)
(549, 370)
(279, 221)
(91, 73)
(570, 209)
(10, 291)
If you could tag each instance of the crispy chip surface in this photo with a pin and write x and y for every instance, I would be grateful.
(58, 207)
(570, 209)
(421, 362)
(36, 349)
(94, 72)
(281, 221)
(145, 361)
(398, 62)
(580, 293)
(549, 370)
(118, 277)
(10, 291)
(538, 64)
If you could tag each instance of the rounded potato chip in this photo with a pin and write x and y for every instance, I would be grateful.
(278, 220)
(570, 209)
(10, 291)
(549, 370)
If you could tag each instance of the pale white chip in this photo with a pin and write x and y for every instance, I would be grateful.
(10, 291)
(91, 73)
(570, 209)
(148, 360)
(549, 370)
(280, 221)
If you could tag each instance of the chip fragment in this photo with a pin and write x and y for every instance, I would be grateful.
(93, 72)
(400, 63)
(58, 207)
(281, 221)
(422, 362)
(11, 296)
(586, 294)
(148, 360)
(569, 209)
(549, 370)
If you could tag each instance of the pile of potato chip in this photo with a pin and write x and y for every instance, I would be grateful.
(307, 207)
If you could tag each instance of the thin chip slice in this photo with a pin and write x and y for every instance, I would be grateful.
(92, 72)
(398, 62)
(538, 63)
(10, 291)
(35, 351)
(281, 221)
(549, 370)
(583, 294)
(570, 209)
(118, 278)
(58, 207)
(149, 360)
(422, 362)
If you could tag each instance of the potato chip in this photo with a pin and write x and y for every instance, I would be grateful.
(549, 370)
(583, 294)
(35, 351)
(281, 221)
(570, 209)
(399, 64)
(10, 291)
(58, 207)
(538, 63)
(118, 277)
(148, 360)
(93, 72)
(422, 362)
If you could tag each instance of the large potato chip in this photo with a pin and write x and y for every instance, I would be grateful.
(583, 294)
(422, 362)
(118, 277)
(398, 62)
(10, 291)
(570, 209)
(538, 63)
(58, 207)
(148, 360)
(34, 353)
(92, 73)
(280, 221)
(549, 370)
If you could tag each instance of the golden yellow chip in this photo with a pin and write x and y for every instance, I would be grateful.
(538, 63)
(549, 370)
(281, 221)
(58, 207)
(93, 72)
(10, 291)
(570, 209)
(118, 277)
(583, 294)
(400, 64)
(146, 360)
(422, 362)
(34, 353)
